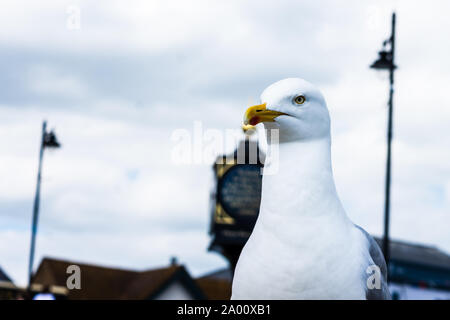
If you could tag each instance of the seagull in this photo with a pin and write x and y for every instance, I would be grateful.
(303, 245)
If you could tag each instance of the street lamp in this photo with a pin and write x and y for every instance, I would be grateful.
(48, 140)
(385, 61)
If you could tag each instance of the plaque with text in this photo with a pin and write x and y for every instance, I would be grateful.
(235, 199)
(239, 191)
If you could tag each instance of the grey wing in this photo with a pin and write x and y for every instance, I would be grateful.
(378, 259)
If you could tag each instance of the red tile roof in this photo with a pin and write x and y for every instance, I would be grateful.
(112, 283)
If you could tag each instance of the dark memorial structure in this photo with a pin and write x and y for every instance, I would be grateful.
(235, 199)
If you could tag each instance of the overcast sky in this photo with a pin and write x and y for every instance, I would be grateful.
(115, 89)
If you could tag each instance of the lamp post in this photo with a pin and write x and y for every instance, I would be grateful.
(386, 62)
(48, 140)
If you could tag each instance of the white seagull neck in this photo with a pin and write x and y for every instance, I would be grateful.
(298, 180)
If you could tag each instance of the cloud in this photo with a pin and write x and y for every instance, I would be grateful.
(47, 82)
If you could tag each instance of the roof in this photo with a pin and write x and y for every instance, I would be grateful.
(417, 254)
(215, 289)
(113, 283)
(217, 285)
(150, 283)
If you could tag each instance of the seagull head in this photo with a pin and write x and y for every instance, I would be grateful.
(295, 107)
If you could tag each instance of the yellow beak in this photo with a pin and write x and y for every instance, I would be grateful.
(257, 114)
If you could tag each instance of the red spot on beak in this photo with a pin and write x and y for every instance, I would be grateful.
(254, 121)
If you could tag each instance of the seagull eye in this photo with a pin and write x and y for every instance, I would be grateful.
(299, 100)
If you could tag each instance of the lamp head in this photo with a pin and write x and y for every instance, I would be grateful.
(50, 140)
(384, 61)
